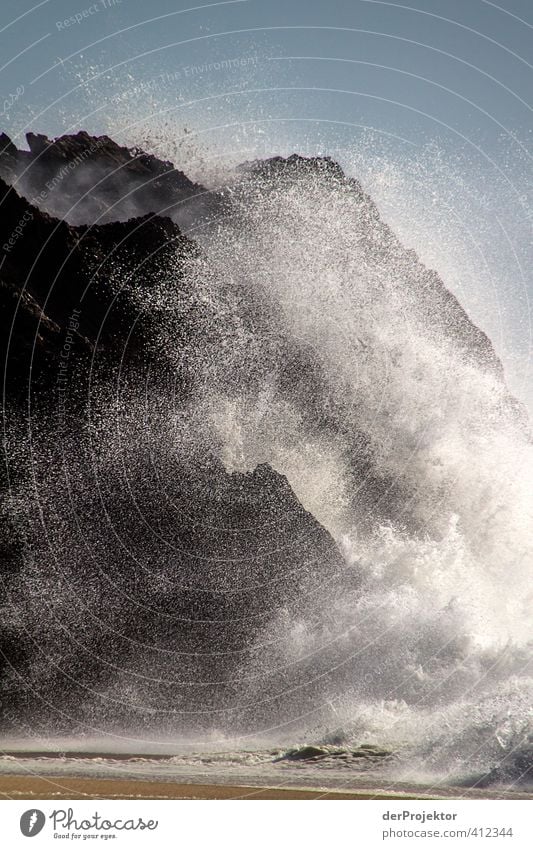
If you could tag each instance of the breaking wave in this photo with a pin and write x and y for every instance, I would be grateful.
(331, 354)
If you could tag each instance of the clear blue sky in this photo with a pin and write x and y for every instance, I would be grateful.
(430, 101)
(465, 63)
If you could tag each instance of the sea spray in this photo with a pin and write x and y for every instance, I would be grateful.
(324, 349)
(394, 427)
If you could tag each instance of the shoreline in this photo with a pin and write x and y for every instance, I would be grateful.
(61, 774)
(55, 787)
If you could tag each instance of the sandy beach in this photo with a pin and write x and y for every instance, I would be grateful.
(42, 787)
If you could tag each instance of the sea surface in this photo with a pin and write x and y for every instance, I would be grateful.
(366, 769)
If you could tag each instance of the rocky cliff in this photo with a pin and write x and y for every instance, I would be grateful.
(138, 573)
(86, 180)
(150, 565)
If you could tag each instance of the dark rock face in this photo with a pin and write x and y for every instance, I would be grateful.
(55, 282)
(156, 588)
(136, 579)
(133, 582)
(87, 180)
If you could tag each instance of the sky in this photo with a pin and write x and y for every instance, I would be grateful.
(428, 102)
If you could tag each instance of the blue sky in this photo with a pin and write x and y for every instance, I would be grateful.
(428, 101)
(462, 64)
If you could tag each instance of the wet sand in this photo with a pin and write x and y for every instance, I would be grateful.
(42, 787)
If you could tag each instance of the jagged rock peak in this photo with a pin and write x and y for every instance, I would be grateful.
(92, 179)
(295, 164)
